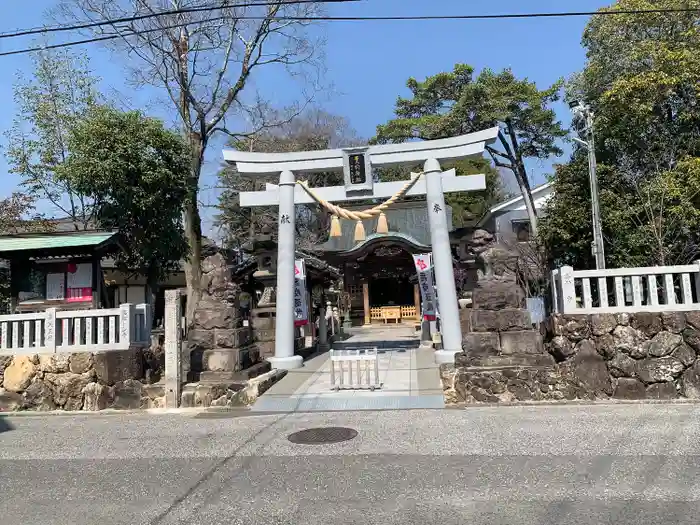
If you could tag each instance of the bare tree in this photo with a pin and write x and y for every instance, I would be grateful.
(204, 57)
(314, 129)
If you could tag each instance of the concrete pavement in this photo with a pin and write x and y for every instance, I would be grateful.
(622, 464)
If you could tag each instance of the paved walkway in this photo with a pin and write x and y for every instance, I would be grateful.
(409, 377)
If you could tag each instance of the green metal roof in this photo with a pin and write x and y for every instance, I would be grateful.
(28, 242)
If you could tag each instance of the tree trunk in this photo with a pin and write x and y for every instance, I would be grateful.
(521, 177)
(193, 231)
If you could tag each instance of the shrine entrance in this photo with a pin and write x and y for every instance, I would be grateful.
(381, 281)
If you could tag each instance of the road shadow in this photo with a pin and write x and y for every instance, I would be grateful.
(5, 425)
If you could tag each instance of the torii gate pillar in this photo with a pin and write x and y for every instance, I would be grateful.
(450, 326)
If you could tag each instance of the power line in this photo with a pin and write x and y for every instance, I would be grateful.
(358, 19)
(225, 5)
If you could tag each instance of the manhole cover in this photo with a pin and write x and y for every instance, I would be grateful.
(322, 436)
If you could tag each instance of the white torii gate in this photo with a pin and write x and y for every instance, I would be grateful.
(357, 164)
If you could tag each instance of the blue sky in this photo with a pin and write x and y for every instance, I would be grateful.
(368, 62)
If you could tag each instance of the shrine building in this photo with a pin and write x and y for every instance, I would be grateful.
(379, 272)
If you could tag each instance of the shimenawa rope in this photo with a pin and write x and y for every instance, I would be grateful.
(358, 216)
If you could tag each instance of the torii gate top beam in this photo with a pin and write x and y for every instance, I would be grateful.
(380, 155)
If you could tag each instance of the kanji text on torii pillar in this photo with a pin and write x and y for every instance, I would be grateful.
(357, 165)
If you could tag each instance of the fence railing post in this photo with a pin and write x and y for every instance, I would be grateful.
(126, 324)
(50, 330)
(567, 290)
(173, 347)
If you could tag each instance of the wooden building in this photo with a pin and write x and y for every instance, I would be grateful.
(379, 272)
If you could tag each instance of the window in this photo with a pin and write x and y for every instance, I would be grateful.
(521, 229)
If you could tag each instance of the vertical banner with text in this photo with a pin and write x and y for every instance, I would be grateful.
(301, 312)
(424, 268)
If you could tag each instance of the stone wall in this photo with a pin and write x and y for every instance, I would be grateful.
(603, 356)
(78, 381)
(631, 356)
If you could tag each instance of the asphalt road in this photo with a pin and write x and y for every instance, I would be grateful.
(628, 464)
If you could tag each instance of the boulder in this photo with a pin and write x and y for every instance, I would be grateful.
(561, 348)
(674, 322)
(39, 396)
(127, 395)
(605, 346)
(573, 327)
(659, 370)
(10, 401)
(693, 318)
(54, 363)
(648, 323)
(664, 343)
(629, 388)
(622, 365)
(692, 337)
(623, 319)
(602, 324)
(68, 389)
(690, 382)
(80, 362)
(590, 371)
(114, 366)
(684, 354)
(662, 391)
(626, 339)
(97, 396)
(19, 374)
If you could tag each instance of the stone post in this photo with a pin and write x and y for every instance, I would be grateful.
(50, 330)
(329, 316)
(173, 348)
(284, 328)
(126, 324)
(567, 291)
(322, 330)
(442, 264)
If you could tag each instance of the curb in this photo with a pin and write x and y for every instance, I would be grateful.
(105, 412)
(575, 403)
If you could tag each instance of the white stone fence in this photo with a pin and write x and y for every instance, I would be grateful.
(650, 289)
(54, 330)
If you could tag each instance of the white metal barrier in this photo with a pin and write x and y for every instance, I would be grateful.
(54, 330)
(649, 289)
(355, 358)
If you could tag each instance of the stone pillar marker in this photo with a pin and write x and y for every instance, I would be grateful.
(173, 348)
(360, 185)
(322, 330)
(284, 327)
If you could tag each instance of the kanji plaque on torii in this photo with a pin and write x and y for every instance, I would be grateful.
(357, 163)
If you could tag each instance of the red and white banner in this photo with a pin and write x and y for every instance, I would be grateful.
(301, 310)
(424, 268)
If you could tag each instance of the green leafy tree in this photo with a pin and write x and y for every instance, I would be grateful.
(134, 170)
(455, 103)
(50, 103)
(641, 79)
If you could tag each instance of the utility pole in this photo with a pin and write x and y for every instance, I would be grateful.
(598, 247)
